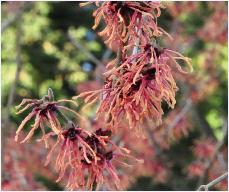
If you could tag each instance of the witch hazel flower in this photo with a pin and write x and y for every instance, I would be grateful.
(123, 18)
(73, 149)
(140, 78)
(137, 82)
(45, 111)
(87, 158)
(136, 88)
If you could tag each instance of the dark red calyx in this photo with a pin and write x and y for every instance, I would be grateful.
(48, 107)
(71, 133)
(92, 140)
(85, 162)
(158, 51)
(150, 73)
(134, 87)
(101, 132)
(109, 155)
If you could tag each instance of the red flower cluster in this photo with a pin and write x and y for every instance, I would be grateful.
(140, 78)
(122, 19)
(136, 84)
(45, 111)
(84, 153)
(135, 89)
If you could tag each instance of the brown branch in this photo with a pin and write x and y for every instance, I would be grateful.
(6, 119)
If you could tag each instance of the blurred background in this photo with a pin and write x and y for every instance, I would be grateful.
(51, 44)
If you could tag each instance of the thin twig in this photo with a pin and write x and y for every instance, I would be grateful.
(200, 119)
(184, 110)
(152, 141)
(221, 160)
(106, 55)
(180, 115)
(214, 156)
(212, 183)
(83, 49)
(135, 50)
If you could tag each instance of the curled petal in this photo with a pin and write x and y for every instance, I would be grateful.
(35, 126)
(21, 126)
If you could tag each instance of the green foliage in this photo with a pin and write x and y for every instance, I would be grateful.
(51, 185)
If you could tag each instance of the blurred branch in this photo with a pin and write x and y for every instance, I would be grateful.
(190, 105)
(83, 49)
(212, 183)
(180, 115)
(9, 21)
(5, 124)
(199, 116)
(106, 55)
(136, 45)
(18, 173)
(135, 50)
(152, 141)
(200, 119)
(221, 160)
(18, 64)
(118, 56)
